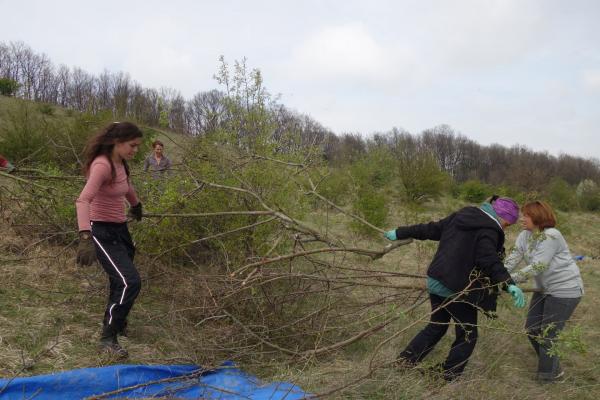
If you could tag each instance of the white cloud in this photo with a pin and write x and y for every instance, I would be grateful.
(485, 33)
(591, 79)
(156, 56)
(422, 45)
(342, 52)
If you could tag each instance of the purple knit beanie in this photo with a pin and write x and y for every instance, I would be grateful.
(507, 209)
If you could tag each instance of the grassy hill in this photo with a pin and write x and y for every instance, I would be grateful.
(194, 311)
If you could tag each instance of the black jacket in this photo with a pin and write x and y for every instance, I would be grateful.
(469, 252)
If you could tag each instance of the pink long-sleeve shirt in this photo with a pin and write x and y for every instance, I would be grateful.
(101, 200)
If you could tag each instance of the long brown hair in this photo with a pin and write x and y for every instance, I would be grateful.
(103, 143)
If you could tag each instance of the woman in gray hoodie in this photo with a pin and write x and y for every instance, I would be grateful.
(542, 247)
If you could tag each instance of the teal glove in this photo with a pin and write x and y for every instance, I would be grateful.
(391, 235)
(517, 295)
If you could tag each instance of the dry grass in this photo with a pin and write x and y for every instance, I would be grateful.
(51, 312)
(503, 365)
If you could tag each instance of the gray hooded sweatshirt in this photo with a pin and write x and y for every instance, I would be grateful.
(548, 260)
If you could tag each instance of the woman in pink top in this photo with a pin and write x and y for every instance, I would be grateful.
(103, 232)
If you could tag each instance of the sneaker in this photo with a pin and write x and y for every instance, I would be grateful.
(558, 378)
(450, 376)
(438, 371)
(113, 348)
(404, 363)
(110, 344)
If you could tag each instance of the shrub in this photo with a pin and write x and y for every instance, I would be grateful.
(455, 190)
(422, 178)
(46, 109)
(336, 187)
(208, 160)
(510, 191)
(374, 170)
(47, 208)
(8, 87)
(24, 135)
(371, 206)
(561, 195)
(588, 195)
(475, 191)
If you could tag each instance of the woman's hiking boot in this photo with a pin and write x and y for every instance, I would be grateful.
(110, 344)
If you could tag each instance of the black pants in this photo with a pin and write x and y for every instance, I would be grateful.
(546, 318)
(443, 310)
(115, 251)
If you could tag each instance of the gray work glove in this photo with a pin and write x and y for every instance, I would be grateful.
(136, 212)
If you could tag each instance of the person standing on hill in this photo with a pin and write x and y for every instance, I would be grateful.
(461, 278)
(555, 274)
(103, 232)
(6, 165)
(159, 163)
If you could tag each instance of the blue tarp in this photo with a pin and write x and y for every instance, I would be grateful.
(227, 382)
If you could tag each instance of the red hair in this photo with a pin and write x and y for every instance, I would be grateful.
(541, 214)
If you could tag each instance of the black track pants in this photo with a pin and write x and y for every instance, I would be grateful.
(115, 251)
(465, 320)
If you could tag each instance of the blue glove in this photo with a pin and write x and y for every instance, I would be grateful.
(391, 235)
(517, 295)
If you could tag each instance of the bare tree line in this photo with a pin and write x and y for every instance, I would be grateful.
(73, 88)
(463, 159)
(211, 111)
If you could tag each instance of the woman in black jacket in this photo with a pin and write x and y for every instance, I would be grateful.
(466, 266)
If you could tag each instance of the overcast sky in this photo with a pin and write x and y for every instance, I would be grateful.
(497, 71)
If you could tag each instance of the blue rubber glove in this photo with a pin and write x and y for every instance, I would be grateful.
(391, 235)
(517, 295)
